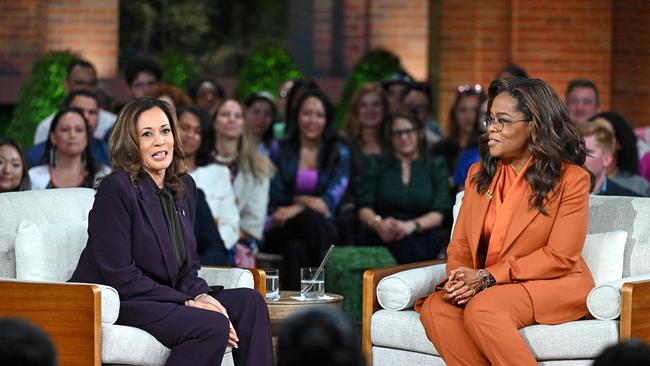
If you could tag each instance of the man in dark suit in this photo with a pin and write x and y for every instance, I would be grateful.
(601, 149)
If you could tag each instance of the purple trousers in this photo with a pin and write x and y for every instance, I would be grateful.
(199, 337)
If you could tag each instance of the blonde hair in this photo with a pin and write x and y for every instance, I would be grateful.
(604, 137)
(248, 158)
(124, 150)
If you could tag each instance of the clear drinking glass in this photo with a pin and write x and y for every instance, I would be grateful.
(272, 284)
(312, 287)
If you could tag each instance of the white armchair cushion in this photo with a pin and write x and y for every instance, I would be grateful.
(227, 277)
(49, 252)
(604, 253)
(604, 301)
(400, 290)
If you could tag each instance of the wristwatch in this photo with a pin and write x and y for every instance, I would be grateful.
(418, 227)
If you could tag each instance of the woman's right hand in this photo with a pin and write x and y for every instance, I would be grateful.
(282, 214)
(208, 305)
(385, 231)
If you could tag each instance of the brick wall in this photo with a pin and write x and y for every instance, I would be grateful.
(631, 61)
(31, 27)
(555, 40)
(402, 26)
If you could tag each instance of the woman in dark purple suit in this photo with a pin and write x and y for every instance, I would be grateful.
(141, 241)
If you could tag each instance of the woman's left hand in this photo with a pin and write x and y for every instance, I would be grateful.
(315, 203)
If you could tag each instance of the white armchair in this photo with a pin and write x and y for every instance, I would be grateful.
(393, 335)
(42, 234)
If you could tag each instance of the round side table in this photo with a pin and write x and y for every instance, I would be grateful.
(286, 306)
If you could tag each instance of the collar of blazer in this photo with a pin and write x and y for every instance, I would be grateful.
(524, 214)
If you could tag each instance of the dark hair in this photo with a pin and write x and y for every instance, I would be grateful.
(299, 86)
(582, 83)
(204, 123)
(81, 92)
(194, 88)
(627, 155)
(81, 63)
(417, 124)
(25, 183)
(454, 129)
(319, 337)
(401, 77)
(91, 166)
(141, 64)
(176, 94)
(423, 88)
(258, 97)
(629, 353)
(124, 150)
(515, 70)
(23, 343)
(554, 138)
(328, 155)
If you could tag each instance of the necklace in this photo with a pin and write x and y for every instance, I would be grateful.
(225, 160)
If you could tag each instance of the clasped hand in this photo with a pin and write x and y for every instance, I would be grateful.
(463, 283)
(391, 229)
(207, 302)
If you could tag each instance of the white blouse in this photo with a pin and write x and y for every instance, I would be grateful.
(214, 180)
(253, 200)
(40, 175)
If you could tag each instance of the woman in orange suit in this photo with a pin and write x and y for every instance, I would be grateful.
(515, 255)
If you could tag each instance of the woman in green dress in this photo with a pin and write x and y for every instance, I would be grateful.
(404, 194)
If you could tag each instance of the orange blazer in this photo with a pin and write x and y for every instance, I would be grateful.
(541, 252)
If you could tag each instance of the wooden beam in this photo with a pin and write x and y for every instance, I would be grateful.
(635, 311)
(70, 314)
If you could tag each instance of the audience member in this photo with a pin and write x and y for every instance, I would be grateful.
(142, 75)
(460, 148)
(582, 100)
(228, 141)
(319, 337)
(644, 166)
(625, 169)
(404, 194)
(13, 167)
(512, 71)
(395, 87)
(81, 76)
(85, 101)
(212, 179)
(68, 160)
(141, 242)
(313, 175)
(261, 113)
(23, 343)
(172, 95)
(206, 93)
(600, 144)
(418, 100)
(515, 256)
(299, 87)
(628, 353)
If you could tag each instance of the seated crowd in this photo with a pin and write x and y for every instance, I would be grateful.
(278, 177)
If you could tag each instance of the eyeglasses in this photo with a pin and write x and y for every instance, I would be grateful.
(474, 89)
(498, 123)
(402, 133)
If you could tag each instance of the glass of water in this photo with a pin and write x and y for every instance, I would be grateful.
(312, 287)
(272, 284)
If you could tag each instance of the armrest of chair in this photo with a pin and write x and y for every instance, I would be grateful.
(69, 313)
(369, 305)
(235, 277)
(635, 311)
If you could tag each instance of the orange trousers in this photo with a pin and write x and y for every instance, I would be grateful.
(485, 332)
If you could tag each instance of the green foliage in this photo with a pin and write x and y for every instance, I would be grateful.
(179, 69)
(344, 274)
(377, 66)
(41, 95)
(266, 68)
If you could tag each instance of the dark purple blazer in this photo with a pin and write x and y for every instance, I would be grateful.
(130, 249)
